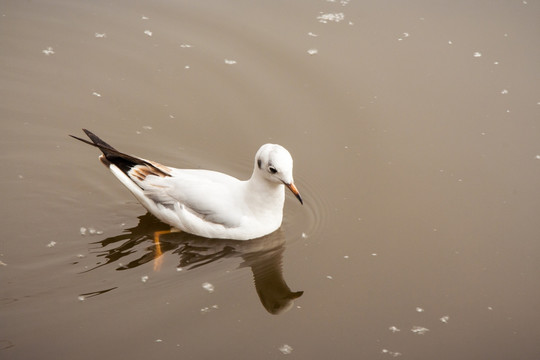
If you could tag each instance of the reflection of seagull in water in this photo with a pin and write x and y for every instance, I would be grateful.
(264, 257)
(207, 203)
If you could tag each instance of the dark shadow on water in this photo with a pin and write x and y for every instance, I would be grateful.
(264, 256)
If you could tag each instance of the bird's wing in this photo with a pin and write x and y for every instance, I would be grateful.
(207, 194)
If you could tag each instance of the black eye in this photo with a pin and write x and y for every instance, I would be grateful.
(272, 169)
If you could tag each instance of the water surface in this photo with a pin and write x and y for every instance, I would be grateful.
(414, 130)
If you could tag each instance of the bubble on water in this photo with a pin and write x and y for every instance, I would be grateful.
(208, 287)
(285, 349)
(420, 330)
(445, 319)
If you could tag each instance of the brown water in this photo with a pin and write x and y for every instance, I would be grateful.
(415, 129)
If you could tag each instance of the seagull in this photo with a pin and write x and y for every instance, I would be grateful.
(204, 202)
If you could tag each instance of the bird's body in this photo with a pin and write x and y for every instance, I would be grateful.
(203, 202)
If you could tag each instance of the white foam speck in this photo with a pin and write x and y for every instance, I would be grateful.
(285, 349)
(51, 244)
(329, 277)
(100, 35)
(419, 309)
(312, 34)
(159, 340)
(304, 235)
(147, 127)
(393, 329)
(333, 17)
(477, 54)
(145, 17)
(312, 51)
(185, 46)
(208, 287)
(207, 309)
(96, 94)
(230, 62)
(81, 298)
(391, 353)
(504, 91)
(445, 319)
(48, 51)
(144, 278)
(537, 157)
(148, 32)
(420, 330)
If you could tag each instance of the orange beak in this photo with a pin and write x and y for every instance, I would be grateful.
(294, 190)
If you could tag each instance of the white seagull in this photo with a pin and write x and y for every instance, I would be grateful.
(203, 202)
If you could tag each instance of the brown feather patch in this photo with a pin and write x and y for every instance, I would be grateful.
(141, 172)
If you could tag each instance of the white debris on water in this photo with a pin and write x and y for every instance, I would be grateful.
(2, 263)
(81, 298)
(51, 244)
(147, 127)
(285, 349)
(148, 32)
(145, 18)
(504, 91)
(207, 309)
(419, 309)
(333, 17)
(185, 46)
(96, 94)
(159, 340)
(313, 51)
(403, 36)
(477, 54)
(312, 34)
(420, 330)
(208, 287)
(89, 231)
(391, 353)
(48, 51)
(445, 319)
(100, 35)
(304, 235)
(329, 277)
(537, 157)
(230, 62)
(144, 278)
(394, 329)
